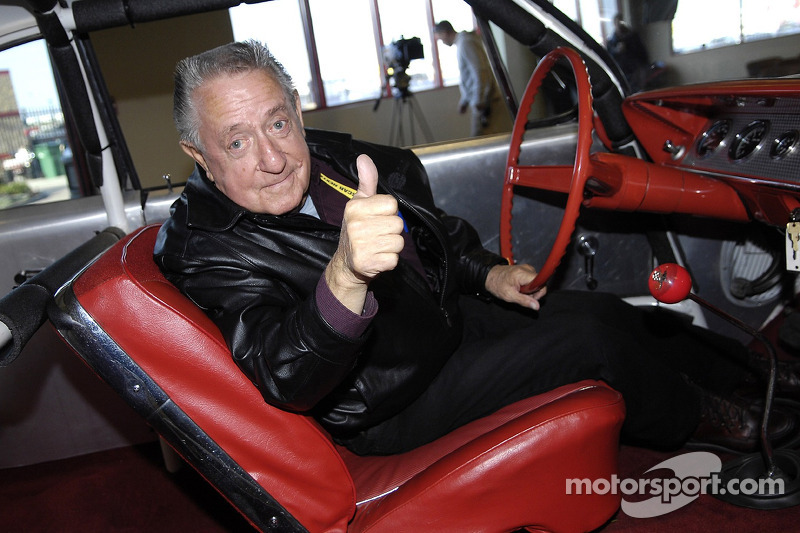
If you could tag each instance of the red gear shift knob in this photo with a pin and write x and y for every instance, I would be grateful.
(670, 283)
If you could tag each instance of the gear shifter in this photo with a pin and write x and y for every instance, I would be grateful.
(587, 247)
(671, 283)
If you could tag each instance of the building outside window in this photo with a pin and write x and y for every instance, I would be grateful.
(35, 156)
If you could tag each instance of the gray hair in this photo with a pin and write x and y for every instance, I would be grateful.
(192, 72)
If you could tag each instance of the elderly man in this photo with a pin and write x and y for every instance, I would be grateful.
(344, 292)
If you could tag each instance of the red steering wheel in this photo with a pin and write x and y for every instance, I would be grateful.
(551, 178)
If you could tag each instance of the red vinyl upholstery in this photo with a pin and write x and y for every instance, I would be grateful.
(501, 473)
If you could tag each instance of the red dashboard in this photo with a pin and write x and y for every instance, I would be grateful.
(736, 143)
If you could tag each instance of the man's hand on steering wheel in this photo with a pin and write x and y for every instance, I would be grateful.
(505, 282)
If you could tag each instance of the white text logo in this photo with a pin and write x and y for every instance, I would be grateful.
(694, 474)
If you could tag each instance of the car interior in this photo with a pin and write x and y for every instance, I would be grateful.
(598, 183)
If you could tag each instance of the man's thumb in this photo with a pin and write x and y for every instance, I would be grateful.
(367, 177)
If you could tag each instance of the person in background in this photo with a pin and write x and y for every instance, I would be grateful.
(479, 91)
(628, 50)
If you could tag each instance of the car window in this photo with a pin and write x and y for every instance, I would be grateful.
(37, 163)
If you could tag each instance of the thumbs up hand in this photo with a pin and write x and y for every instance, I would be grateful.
(367, 177)
(370, 241)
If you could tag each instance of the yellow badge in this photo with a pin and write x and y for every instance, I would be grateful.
(344, 189)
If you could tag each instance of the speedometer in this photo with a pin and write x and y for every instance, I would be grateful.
(713, 137)
(748, 140)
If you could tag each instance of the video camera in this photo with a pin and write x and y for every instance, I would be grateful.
(397, 56)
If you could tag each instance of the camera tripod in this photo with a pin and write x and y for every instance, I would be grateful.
(403, 100)
(406, 101)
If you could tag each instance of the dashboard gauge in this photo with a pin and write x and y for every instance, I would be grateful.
(713, 137)
(784, 144)
(748, 140)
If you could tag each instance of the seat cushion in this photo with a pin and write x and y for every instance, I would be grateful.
(500, 473)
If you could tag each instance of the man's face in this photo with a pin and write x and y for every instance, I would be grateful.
(446, 37)
(254, 144)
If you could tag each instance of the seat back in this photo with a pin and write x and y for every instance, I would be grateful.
(170, 362)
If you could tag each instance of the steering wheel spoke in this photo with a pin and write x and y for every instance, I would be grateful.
(562, 179)
(548, 177)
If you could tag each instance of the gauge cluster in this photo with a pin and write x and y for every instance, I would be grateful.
(738, 135)
(751, 137)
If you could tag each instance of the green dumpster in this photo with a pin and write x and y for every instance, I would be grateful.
(49, 156)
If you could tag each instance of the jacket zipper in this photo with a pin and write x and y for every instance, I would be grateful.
(435, 231)
(408, 207)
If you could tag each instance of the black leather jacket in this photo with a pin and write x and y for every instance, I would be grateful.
(255, 275)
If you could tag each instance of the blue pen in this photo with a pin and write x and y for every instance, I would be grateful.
(405, 226)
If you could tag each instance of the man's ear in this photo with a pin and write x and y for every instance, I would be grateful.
(298, 109)
(197, 155)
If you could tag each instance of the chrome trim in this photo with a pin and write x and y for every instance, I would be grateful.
(140, 392)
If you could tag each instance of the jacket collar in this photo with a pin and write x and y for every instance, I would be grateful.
(207, 208)
(340, 151)
(335, 148)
